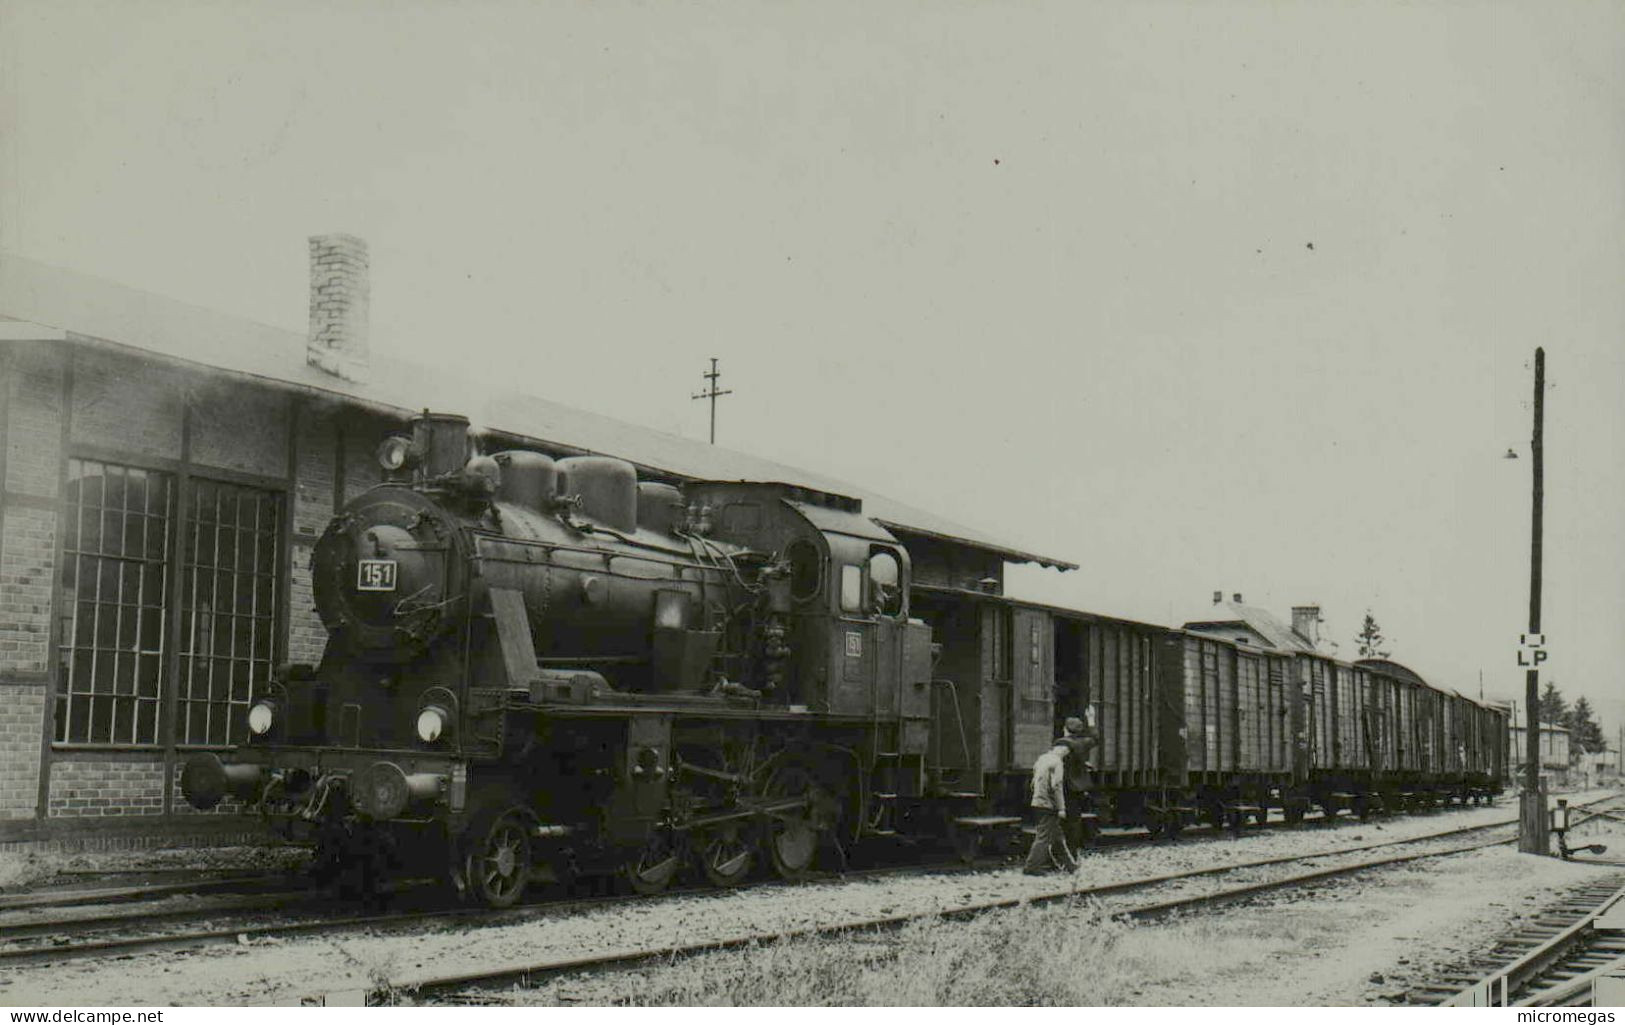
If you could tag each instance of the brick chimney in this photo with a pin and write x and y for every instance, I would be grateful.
(1306, 623)
(339, 298)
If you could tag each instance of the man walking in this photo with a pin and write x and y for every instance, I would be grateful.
(1049, 802)
(1080, 739)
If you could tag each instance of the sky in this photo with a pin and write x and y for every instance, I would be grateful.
(1237, 296)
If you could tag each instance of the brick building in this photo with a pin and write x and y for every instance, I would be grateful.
(167, 469)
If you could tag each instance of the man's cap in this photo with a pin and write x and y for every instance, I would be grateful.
(1073, 745)
(1074, 726)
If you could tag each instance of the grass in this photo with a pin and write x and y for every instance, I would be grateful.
(1028, 956)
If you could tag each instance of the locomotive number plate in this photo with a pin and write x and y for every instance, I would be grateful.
(375, 575)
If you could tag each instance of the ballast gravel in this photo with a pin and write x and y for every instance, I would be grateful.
(260, 971)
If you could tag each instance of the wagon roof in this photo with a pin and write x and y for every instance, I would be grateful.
(87, 310)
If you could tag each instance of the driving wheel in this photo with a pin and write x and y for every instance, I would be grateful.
(791, 836)
(497, 866)
(725, 857)
(654, 866)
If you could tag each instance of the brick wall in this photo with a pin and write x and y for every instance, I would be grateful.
(27, 565)
(22, 725)
(361, 438)
(34, 429)
(83, 787)
(128, 404)
(312, 508)
(240, 428)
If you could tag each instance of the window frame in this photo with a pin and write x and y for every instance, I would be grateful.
(185, 476)
(67, 605)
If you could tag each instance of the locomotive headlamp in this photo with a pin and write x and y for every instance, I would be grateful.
(260, 717)
(432, 722)
(397, 453)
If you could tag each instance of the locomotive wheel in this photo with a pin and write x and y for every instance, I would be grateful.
(725, 859)
(791, 837)
(654, 867)
(497, 867)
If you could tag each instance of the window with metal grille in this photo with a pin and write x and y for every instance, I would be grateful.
(229, 581)
(115, 559)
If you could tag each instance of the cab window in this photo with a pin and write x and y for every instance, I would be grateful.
(806, 569)
(851, 589)
(885, 584)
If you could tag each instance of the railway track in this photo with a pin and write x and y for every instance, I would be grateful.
(1553, 960)
(452, 986)
(130, 931)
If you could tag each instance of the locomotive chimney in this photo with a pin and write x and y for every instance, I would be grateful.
(1218, 597)
(1306, 623)
(340, 294)
(1236, 598)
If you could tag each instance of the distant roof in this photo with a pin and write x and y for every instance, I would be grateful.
(82, 308)
(1260, 621)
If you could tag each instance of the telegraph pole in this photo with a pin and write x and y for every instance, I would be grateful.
(712, 394)
(1533, 837)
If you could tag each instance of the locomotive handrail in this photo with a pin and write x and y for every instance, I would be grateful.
(959, 719)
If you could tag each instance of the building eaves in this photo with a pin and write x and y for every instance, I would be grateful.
(80, 309)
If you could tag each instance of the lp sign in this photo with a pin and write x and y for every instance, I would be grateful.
(1532, 652)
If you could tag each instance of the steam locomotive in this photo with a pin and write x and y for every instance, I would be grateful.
(539, 668)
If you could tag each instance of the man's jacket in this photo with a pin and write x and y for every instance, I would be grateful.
(1049, 775)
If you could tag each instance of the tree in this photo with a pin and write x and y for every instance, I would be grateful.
(1370, 638)
(1583, 729)
(1553, 709)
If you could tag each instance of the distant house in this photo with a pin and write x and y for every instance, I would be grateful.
(1554, 751)
(1236, 621)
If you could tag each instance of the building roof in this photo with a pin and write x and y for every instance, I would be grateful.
(78, 308)
(1231, 614)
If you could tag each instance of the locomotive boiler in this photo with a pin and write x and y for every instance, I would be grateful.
(538, 667)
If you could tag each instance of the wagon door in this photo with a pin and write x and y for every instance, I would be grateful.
(1032, 686)
(956, 693)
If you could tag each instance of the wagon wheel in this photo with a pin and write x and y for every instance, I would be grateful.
(967, 843)
(724, 856)
(1362, 807)
(1171, 823)
(1293, 812)
(497, 865)
(791, 837)
(653, 867)
(1088, 834)
(1262, 815)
